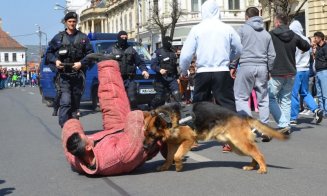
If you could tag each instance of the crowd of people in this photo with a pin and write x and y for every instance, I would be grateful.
(17, 78)
(219, 65)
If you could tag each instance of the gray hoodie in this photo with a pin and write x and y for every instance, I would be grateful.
(258, 48)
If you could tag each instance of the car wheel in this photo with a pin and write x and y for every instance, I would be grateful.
(95, 100)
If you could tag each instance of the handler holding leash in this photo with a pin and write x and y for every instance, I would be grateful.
(119, 147)
(67, 50)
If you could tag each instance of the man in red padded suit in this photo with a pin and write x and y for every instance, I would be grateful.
(118, 148)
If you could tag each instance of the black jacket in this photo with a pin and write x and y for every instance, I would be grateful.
(321, 58)
(285, 43)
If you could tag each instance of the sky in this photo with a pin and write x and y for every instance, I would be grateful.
(20, 16)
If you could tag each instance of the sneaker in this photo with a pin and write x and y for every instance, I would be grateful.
(293, 122)
(319, 114)
(226, 148)
(284, 130)
(265, 138)
(305, 112)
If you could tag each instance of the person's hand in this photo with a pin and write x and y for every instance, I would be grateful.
(58, 64)
(145, 74)
(77, 66)
(233, 73)
(163, 71)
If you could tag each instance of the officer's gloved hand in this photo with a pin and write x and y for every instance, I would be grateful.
(145, 74)
(58, 64)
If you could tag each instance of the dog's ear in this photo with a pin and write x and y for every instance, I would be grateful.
(146, 114)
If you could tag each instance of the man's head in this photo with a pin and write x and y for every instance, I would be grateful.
(71, 20)
(319, 37)
(166, 42)
(280, 19)
(251, 12)
(78, 145)
(122, 38)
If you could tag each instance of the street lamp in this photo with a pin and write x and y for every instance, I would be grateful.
(60, 7)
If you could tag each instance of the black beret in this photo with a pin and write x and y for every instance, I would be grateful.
(70, 15)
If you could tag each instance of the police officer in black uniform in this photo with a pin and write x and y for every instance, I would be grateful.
(164, 62)
(128, 59)
(67, 50)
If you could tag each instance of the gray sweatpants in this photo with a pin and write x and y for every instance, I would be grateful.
(248, 78)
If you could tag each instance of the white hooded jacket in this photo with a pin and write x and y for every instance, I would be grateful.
(302, 59)
(214, 42)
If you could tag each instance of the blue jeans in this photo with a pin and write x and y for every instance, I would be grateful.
(301, 86)
(280, 91)
(321, 85)
(23, 81)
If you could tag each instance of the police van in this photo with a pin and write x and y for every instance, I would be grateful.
(101, 43)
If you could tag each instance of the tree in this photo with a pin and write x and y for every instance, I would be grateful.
(163, 22)
(282, 6)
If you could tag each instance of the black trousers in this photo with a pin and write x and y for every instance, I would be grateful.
(71, 87)
(217, 85)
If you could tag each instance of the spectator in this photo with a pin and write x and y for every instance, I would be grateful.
(215, 45)
(255, 63)
(301, 82)
(321, 69)
(283, 72)
(119, 148)
(191, 76)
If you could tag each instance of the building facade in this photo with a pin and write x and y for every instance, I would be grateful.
(135, 17)
(12, 54)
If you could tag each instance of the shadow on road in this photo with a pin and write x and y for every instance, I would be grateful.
(6, 191)
(151, 166)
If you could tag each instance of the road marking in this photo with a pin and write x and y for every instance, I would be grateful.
(31, 93)
(197, 157)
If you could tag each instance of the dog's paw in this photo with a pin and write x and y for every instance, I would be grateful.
(179, 168)
(248, 168)
(262, 171)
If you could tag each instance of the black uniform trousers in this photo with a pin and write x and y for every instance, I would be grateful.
(71, 86)
(218, 85)
(163, 85)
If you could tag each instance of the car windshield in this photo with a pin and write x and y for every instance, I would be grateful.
(105, 48)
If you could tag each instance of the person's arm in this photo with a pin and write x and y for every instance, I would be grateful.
(187, 52)
(235, 45)
(271, 55)
(52, 50)
(302, 44)
(140, 64)
(87, 50)
(155, 62)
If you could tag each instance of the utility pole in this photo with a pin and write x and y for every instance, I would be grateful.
(40, 39)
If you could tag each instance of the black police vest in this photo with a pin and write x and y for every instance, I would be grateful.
(74, 50)
(125, 58)
(167, 60)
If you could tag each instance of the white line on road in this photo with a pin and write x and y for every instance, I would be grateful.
(197, 157)
(31, 93)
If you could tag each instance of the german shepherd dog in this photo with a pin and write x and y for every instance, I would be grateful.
(210, 122)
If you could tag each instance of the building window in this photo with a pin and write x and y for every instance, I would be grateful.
(14, 57)
(234, 4)
(194, 5)
(6, 57)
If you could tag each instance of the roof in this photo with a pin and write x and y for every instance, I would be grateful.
(8, 42)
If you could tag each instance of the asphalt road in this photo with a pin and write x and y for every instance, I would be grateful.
(32, 162)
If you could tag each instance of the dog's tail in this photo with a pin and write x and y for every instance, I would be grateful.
(265, 129)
